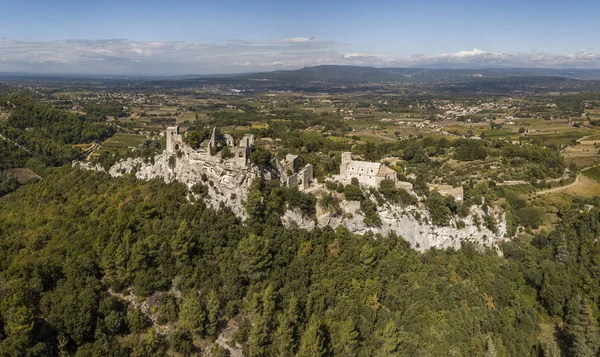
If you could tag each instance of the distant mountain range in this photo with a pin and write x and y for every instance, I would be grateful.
(349, 79)
(333, 73)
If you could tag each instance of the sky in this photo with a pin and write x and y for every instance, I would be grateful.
(206, 37)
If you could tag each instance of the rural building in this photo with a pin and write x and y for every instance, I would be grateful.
(367, 173)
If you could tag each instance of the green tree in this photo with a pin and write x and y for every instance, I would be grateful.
(315, 340)
(253, 256)
(269, 297)
(390, 339)
(191, 315)
(347, 339)
(136, 320)
(283, 340)
(258, 339)
(213, 306)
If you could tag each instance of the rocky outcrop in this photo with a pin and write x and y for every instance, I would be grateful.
(228, 182)
(411, 224)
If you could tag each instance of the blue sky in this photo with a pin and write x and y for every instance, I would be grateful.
(177, 37)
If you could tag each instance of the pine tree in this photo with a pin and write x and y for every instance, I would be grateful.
(490, 348)
(213, 305)
(182, 244)
(583, 327)
(192, 315)
(293, 310)
(391, 339)
(269, 297)
(258, 339)
(562, 250)
(314, 342)
(284, 336)
(253, 255)
(348, 339)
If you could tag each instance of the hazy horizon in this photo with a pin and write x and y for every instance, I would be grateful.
(159, 39)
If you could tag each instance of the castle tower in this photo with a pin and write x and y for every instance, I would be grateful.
(307, 176)
(213, 139)
(173, 138)
(346, 158)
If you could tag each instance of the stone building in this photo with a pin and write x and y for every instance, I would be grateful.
(291, 176)
(242, 152)
(367, 173)
(174, 139)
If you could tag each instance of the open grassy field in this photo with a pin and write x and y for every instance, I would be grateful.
(84, 147)
(339, 139)
(593, 173)
(187, 116)
(561, 135)
(257, 125)
(121, 143)
(24, 175)
(584, 187)
(584, 154)
(498, 133)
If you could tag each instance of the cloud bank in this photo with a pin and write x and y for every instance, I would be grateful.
(119, 56)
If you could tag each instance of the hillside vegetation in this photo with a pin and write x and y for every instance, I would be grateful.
(75, 239)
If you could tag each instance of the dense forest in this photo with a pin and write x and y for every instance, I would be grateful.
(76, 243)
(48, 133)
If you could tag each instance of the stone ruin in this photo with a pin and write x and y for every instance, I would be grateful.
(291, 176)
(174, 139)
(241, 153)
(228, 183)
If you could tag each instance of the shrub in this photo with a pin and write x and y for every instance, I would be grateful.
(167, 309)
(531, 217)
(353, 193)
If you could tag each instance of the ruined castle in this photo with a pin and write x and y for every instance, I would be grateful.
(229, 181)
(287, 169)
(293, 177)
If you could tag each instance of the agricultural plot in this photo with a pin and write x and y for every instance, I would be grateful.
(187, 117)
(592, 173)
(501, 133)
(121, 143)
(24, 175)
(584, 154)
(561, 136)
(84, 147)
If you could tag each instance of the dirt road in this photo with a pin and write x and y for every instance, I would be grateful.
(554, 189)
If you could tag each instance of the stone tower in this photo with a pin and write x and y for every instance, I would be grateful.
(213, 139)
(346, 158)
(174, 140)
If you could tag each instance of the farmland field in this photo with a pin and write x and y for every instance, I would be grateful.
(121, 143)
(501, 133)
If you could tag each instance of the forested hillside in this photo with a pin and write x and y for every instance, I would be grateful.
(46, 132)
(73, 244)
(36, 135)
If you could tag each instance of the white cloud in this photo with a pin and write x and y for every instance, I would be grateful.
(479, 58)
(119, 56)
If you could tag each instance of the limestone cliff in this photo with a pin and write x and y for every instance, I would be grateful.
(229, 182)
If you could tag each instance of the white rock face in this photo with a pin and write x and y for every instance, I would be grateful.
(420, 235)
(229, 182)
